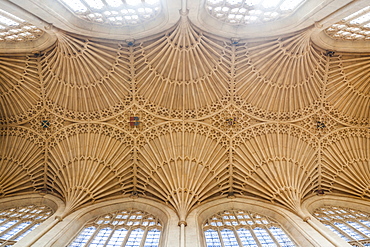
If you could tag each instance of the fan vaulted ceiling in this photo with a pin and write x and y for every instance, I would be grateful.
(185, 102)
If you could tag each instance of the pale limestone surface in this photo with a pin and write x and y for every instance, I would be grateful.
(184, 117)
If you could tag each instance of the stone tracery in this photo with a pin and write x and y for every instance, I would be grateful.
(183, 95)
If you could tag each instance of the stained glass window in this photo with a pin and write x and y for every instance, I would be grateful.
(351, 225)
(132, 228)
(251, 11)
(242, 228)
(115, 12)
(17, 222)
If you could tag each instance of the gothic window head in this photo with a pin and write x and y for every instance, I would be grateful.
(129, 228)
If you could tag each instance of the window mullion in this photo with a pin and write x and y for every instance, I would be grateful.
(109, 237)
(272, 236)
(255, 237)
(19, 220)
(353, 228)
(220, 237)
(126, 237)
(250, 222)
(117, 228)
(23, 230)
(341, 231)
(11, 227)
(237, 237)
(84, 2)
(97, 230)
(5, 221)
(363, 225)
(143, 239)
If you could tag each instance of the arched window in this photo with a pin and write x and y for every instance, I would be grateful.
(115, 12)
(132, 228)
(17, 222)
(351, 225)
(243, 228)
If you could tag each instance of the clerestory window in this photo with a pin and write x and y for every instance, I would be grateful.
(351, 225)
(353, 27)
(17, 222)
(242, 228)
(133, 228)
(246, 12)
(15, 29)
(115, 12)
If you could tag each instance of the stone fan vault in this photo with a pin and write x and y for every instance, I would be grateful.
(279, 120)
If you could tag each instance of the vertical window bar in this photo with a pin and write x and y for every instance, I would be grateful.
(109, 237)
(16, 222)
(121, 228)
(126, 238)
(243, 228)
(6, 225)
(246, 238)
(273, 237)
(11, 228)
(354, 229)
(25, 229)
(220, 238)
(24, 233)
(281, 236)
(143, 239)
(210, 235)
(92, 237)
(228, 237)
(338, 229)
(118, 237)
(87, 6)
(84, 237)
(237, 237)
(365, 226)
(255, 238)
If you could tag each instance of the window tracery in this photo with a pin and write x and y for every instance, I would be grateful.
(243, 228)
(131, 228)
(115, 12)
(17, 222)
(351, 225)
(15, 29)
(353, 27)
(251, 11)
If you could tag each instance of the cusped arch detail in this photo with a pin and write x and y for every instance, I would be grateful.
(288, 220)
(74, 222)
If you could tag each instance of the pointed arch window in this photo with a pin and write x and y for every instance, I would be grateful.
(351, 225)
(15, 29)
(115, 12)
(17, 222)
(131, 228)
(243, 228)
(356, 26)
(245, 12)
